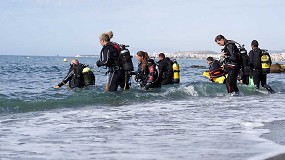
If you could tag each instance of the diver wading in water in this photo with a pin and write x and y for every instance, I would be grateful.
(165, 69)
(79, 75)
(216, 72)
(118, 60)
(260, 63)
(110, 57)
(232, 63)
(147, 75)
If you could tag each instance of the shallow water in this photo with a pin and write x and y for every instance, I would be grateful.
(193, 120)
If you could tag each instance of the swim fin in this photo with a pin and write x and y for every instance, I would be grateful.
(269, 89)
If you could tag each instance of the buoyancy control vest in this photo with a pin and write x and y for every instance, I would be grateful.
(216, 70)
(265, 61)
(240, 55)
(165, 69)
(123, 57)
(112, 51)
(153, 71)
(77, 79)
(142, 75)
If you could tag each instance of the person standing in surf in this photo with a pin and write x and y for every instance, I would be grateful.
(258, 66)
(109, 57)
(147, 75)
(232, 64)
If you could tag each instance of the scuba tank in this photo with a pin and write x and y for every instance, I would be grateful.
(88, 76)
(265, 62)
(127, 63)
(126, 58)
(176, 76)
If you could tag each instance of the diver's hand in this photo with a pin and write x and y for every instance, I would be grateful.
(146, 87)
(56, 87)
(99, 63)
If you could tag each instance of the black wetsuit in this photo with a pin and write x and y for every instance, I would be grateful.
(166, 71)
(245, 73)
(74, 76)
(232, 65)
(255, 64)
(214, 65)
(143, 78)
(109, 57)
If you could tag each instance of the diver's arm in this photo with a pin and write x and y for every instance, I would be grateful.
(104, 59)
(67, 78)
(251, 59)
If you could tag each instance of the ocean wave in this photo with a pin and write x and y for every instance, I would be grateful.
(96, 96)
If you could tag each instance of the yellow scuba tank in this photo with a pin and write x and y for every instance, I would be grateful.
(265, 62)
(88, 76)
(176, 76)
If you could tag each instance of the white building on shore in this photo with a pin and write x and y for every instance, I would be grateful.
(204, 54)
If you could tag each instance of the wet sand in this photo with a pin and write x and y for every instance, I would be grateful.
(277, 134)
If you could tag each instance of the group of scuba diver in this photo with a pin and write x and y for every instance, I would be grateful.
(236, 65)
(118, 60)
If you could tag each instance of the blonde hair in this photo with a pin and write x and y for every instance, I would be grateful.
(145, 57)
(104, 37)
(110, 34)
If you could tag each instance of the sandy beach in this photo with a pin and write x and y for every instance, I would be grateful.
(277, 134)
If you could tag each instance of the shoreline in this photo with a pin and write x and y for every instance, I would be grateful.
(277, 135)
(278, 157)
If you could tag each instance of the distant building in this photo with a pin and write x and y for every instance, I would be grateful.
(277, 57)
(190, 54)
(204, 54)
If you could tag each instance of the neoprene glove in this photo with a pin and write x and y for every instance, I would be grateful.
(99, 63)
(146, 87)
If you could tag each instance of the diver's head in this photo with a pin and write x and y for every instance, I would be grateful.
(110, 34)
(150, 62)
(220, 40)
(142, 56)
(210, 60)
(74, 62)
(104, 39)
(254, 44)
(161, 56)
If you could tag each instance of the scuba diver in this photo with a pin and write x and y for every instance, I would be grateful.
(109, 57)
(77, 77)
(260, 63)
(232, 63)
(147, 75)
(165, 69)
(216, 71)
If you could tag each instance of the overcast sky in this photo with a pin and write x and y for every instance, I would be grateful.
(70, 27)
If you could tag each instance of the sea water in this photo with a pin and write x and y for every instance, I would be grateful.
(195, 119)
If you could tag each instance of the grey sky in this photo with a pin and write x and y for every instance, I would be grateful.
(70, 27)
